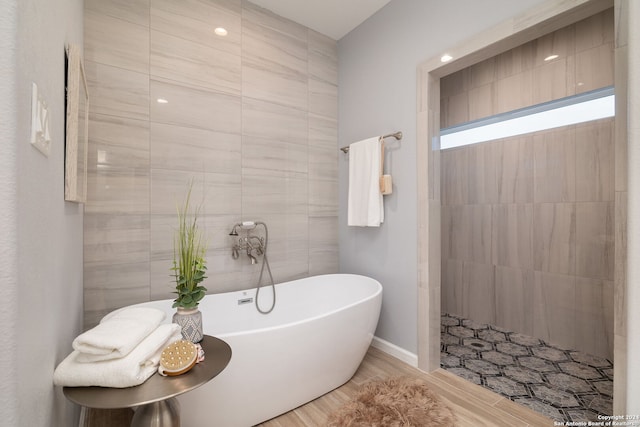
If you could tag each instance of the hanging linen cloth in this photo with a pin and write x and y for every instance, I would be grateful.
(365, 204)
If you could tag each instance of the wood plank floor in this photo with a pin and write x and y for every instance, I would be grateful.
(474, 406)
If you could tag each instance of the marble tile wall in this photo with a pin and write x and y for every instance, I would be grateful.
(251, 118)
(521, 77)
(522, 247)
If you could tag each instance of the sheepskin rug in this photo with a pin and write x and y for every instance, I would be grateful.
(395, 402)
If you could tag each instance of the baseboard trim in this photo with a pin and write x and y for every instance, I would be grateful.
(395, 351)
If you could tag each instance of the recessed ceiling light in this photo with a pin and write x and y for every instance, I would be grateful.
(162, 101)
(220, 31)
(550, 57)
(446, 58)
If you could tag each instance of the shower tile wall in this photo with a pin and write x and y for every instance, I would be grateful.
(251, 118)
(521, 77)
(528, 221)
(534, 256)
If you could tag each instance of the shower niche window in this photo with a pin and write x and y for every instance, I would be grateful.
(594, 105)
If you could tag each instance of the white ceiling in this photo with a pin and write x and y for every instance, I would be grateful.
(333, 18)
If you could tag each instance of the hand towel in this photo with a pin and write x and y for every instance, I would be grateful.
(365, 206)
(131, 370)
(117, 334)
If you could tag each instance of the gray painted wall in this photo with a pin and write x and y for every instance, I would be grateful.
(41, 245)
(377, 94)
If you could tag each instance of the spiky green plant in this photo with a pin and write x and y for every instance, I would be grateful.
(189, 263)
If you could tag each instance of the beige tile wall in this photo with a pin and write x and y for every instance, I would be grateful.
(522, 247)
(251, 118)
(521, 77)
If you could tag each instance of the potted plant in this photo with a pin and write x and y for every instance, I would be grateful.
(189, 269)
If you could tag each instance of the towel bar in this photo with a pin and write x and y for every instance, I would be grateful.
(396, 135)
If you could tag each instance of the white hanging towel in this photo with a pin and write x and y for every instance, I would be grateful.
(365, 206)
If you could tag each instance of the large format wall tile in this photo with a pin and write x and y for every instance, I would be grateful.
(595, 161)
(116, 190)
(594, 68)
(512, 235)
(514, 294)
(478, 292)
(188, 106)
(192, 149)
(118, 92)
(323, 155)
(217, 193)
(594, 240)
(594, 316)
(273, 192)
(118, 141)
(554, 309)
(554, 238)
(323, 58)
(116, 42)
(249, 118)
(193, 63)
(514, 170)
(323, 245)
(555, 165)
(115, 239)
(134, 11)
(196, 20)
(526, 75)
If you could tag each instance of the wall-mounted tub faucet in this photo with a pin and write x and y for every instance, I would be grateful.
(258, 245)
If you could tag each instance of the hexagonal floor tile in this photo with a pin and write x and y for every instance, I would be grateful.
(524, 339)
(580, 371)
(598, 403)
(492, 336)
(582, 415)
(550, 353)
(567, 382)
(522, 375)
(536, 364)
(449, 339)
(512, 349)
(474, 325)
(588, 359)
(555, 397)
(460, 331)
(477, 344)
(604, 387)
(460, 350)
(506, 386)
(482, 367)
(541, 408)
(449, 361)
(449, 321)
(497, 358)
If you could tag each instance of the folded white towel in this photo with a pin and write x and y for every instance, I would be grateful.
(365, 206)
(131, 370)
(117, 334)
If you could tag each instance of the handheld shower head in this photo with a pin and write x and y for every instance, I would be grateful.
(234, 230)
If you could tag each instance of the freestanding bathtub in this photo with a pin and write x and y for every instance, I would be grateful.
(311, 343)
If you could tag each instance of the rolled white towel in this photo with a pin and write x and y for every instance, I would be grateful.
(131, 370)
(117, 334)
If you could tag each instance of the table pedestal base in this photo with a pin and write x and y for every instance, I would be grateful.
(165, 413)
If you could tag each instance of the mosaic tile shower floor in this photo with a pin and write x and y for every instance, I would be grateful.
(562, 384)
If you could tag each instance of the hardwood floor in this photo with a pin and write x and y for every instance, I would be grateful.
(473, 405)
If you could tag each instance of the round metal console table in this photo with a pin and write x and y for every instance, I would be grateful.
(155, 398)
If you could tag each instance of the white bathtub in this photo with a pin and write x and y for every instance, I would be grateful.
(312, 342)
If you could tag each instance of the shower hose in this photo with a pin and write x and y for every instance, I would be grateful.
(265, 262)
